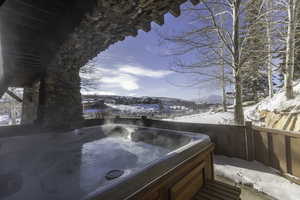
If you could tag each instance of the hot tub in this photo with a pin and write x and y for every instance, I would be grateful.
(103, 162)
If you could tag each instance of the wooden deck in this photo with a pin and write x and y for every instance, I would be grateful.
(214, 190)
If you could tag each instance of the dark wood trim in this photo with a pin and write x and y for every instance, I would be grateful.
(163, 183)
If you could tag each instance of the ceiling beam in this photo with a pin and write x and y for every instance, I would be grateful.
(1, 2)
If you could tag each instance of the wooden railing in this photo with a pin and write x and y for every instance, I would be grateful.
(278, 149)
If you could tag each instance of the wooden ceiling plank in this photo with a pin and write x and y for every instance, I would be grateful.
(47, 12)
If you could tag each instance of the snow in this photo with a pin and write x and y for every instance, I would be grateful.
(279, 102)
(213, 99)
(146, 108)
(258, 176)
(136, 108)
(207, 118)
(4, 120)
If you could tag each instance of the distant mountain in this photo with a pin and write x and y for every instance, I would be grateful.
(164, 102)
(129, 100)
(212, 99)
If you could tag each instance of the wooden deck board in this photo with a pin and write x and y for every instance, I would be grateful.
(214, 190)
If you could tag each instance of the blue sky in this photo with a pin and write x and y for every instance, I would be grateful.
(139, 67)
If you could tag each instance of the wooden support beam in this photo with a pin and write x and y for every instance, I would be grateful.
(32, 6)
(175, 10)
(195, 2)
(13, 95)
(1, 2)
(160, 20)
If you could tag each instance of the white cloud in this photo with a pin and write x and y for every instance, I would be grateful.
(118, 77)
(140, 71)
(124, 81)
(96, 92)
(132, 94)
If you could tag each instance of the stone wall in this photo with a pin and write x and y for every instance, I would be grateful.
(30, 104)
(109, 22)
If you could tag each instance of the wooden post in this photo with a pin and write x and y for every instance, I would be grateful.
(288, 154)
(144, 121)
(249, 141)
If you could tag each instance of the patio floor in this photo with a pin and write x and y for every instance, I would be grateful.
(247, 192)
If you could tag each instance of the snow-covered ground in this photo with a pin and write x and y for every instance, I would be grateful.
(4, 120)
(279, 102)
(207, 118)
(258, 176)
(252, 113)
(145, 108)
(137, 108)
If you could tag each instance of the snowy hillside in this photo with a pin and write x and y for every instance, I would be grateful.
(252, 113)
(129, 100)
(261, 113)
(4, 120)
(137, 108)
(213, 99)
(128, 106)
(279, 103)
(207, 118)
(145, 108)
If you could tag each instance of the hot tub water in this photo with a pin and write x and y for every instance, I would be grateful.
(69, 166)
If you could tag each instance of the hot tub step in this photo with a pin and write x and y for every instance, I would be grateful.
(214, 190)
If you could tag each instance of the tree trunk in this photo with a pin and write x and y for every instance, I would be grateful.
(238, 108)
(269, 38)
(238, 104)
(290, 50)
(223, 85)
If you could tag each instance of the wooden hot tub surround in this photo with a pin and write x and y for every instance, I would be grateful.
(181, 182)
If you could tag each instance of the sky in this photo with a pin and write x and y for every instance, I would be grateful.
(139, 66)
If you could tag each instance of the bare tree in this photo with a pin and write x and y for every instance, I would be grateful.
(292, 7)
(223, 83)
(89, 75)
(220, 38)
(269, 8)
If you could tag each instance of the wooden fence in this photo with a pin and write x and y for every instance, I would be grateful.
(275, 148)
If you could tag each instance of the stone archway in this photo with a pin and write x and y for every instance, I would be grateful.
(107, 22)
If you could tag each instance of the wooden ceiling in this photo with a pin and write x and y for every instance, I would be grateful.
(31, 31)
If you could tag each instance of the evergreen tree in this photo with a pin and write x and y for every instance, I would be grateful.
(254, 70)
